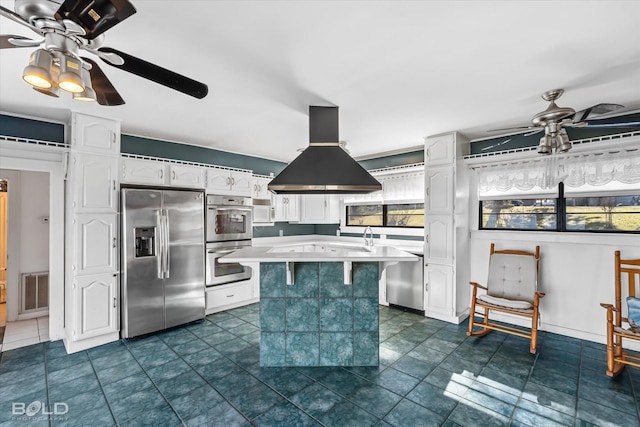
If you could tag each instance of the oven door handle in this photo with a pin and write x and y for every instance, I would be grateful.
(224, 251)
(241, 209)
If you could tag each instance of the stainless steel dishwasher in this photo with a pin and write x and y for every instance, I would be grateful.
(404, 284)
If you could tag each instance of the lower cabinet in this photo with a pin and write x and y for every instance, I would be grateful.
(439, 294)
(224, 297)
(95, 305)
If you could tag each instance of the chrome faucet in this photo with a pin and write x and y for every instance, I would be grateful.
(370, 241)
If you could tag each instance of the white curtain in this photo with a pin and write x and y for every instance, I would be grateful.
(545, 173)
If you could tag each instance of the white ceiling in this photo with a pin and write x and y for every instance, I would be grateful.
(398, 70)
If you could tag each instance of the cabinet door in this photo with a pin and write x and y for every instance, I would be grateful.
(94, 182)
(141, 171)
(186, 176)
(439, 239)
(440, 150)
(95, 134)
(241, 183)
(220, 296)
(259, 188)
(293, 207)
(438, 290)
(439, 190)
(285, 208)
(313, 208)
(96, 243)
(218, 181)
(96, 305)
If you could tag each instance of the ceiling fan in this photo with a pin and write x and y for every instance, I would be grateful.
(71, 26)
(555, 119)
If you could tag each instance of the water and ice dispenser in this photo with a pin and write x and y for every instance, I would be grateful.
(145, 241)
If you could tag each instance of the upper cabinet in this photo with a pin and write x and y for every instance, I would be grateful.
(229, 182)
(186, 176)
(93, 181)
(259, 188)
(95, 134)
(142, 171)
(439, 190)
(320, 208)
(285, 207)
(440, 150)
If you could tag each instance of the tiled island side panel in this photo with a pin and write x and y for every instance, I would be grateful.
(319, 321)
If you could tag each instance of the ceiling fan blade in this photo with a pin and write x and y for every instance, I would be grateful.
(595, 110)
(95, 16)
(158, 74)
(518, 129)
(614, 125)
(106, 94)
(10, 41)
(10, 14)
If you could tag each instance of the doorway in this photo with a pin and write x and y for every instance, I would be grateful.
(24, 257)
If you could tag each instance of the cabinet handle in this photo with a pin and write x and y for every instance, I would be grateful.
(230, 296)
(114, 302)
(173, 175)
(115, 242)
(114, 185)
(113, 137)
(428, 151)
(161, 174)
(427, 190)
(426, 287)
(426, 238)
(233, 181)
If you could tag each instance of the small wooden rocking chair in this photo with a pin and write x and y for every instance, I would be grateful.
(511, 288)
(626, 270)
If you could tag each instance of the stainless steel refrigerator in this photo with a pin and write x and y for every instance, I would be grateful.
(163, 277)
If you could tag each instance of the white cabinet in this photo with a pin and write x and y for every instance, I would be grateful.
(186, 176)
(229, 182)
(439, 190)
(93, 180)
(95, 134)
(319, 209)
(440, 149)
(95, 306)
(142, 171)
(446, 250)
(223, 297)
(259, 188)
(439, 290)
(96, 247)
(438, 239)
(91, 227)
(285, 207)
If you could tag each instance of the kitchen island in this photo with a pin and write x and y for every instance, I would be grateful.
(319, 301)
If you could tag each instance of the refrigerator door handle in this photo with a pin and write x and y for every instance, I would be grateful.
(167, 253)
(159, 243)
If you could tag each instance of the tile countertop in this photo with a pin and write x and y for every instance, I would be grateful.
(411, 246)
(338, 251)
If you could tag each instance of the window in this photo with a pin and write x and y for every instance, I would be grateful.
(605, 213)
(593, 213)
(406, 215)
(519, 214)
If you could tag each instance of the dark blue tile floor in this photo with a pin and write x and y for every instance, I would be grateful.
(208, 373)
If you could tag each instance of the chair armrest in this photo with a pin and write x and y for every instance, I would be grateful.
(540, 294)
(474, 284)
(608, 306)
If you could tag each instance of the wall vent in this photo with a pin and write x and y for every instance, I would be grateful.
(34, 292)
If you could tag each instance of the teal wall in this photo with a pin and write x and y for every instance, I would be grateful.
(19, 127)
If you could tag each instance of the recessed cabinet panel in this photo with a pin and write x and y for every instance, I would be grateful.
(259, 188)
(440, 150)
(186, 176)
(96, 243)
(439, 239)
(96, 134)
(95, 305)
(439, 190)
(439, 290)
(141, 171)
(95, 181)
(241, 183)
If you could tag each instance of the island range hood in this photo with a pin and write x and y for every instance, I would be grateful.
(324, 167)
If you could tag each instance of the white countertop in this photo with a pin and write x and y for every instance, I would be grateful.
(335, 252)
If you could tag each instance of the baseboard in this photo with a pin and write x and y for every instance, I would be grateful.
(451, 319)
(75, 346)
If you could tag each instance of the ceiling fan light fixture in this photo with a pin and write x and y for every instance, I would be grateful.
(70, 79)
(37, 73)
(545, 145)
(562, 142)
(88, 94)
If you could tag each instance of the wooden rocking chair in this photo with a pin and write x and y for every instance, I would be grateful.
(511, 288)
(626, 270)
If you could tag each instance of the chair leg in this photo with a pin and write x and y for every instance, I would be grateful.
(614, 347)
(534, 327)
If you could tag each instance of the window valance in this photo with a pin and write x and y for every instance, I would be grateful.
(575, 171)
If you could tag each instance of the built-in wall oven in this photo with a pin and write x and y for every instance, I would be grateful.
(219, 273)
(229, 228)
(228, 218)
